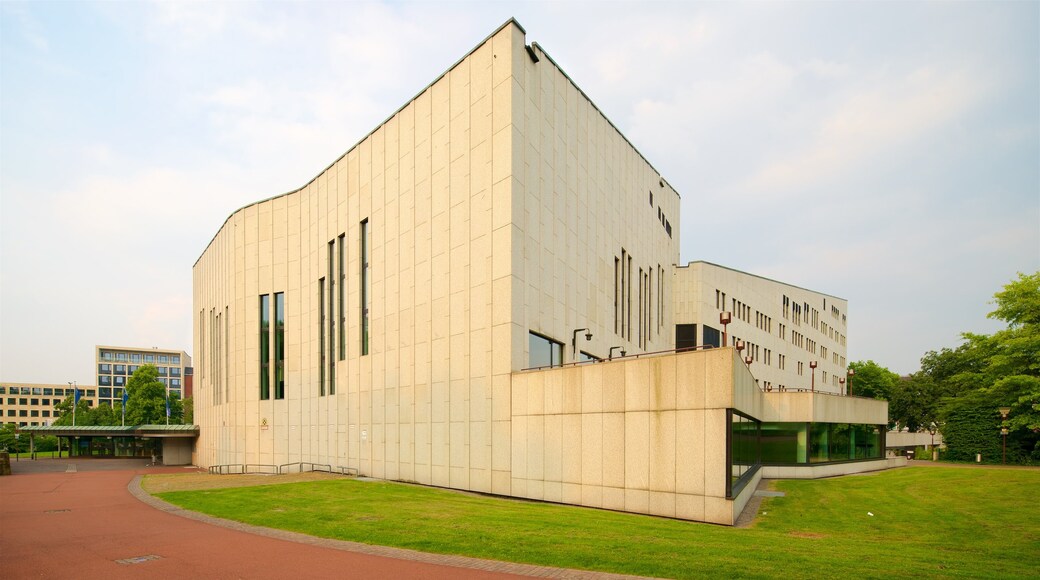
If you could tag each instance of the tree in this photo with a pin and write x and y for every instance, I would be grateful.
(914, 403)
(84, 416)
(146, 399)
(104, 415)
(11, 443)
(872, 380)
(986, 372)
(189, 411)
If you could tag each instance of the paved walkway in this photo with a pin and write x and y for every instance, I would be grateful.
(84, 521)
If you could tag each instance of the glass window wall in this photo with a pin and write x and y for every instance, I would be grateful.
(544, 352)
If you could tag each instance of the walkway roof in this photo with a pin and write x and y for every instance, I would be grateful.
(114, 431)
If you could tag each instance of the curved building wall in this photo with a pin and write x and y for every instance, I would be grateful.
(496, 203)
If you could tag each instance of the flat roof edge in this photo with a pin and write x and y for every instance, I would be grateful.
(510, 21)
(692, 262)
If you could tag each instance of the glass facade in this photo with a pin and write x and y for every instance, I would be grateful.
(801, 443)
(744, 451)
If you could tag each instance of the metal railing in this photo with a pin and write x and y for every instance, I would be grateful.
(626, 357)
(285, 468)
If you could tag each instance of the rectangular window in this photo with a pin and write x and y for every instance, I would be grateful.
(279, 345)
(342, 292)
(202, 344)
(617, 273)
(624, 262)
(265, 347)
(321, 336)
(227, 327)
(712, 337)
(685, 336)
(639, 333)
(628, 306)
(332, 319)
(544, 352)
(365, 298)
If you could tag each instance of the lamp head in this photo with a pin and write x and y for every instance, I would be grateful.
(739, 344)
(725, 317)
(588, 335)
(1004, 411)
(852, 371)
(812, 364)
(623, 353)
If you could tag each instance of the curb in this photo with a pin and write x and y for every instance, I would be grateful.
(530, 570)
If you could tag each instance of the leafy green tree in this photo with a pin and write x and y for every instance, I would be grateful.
(11, 443)
(146, 399)
(872, 380)
(104, 415)
(84, 416)
(189, 410)
(986, 372)
(914, 403)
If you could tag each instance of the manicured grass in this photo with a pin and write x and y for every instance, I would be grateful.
(927, 522)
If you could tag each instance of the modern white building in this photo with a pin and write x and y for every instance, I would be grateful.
(385, 316)
(795, 338)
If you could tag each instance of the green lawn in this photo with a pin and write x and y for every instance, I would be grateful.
(927, 522)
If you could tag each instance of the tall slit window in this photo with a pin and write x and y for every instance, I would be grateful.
(332, 321)
(279, 345)
(642, 326)
(624, 260)
(617, 268)
(226, 328)
(265, 347)
(365, 298)
(342, 291)
(321, 336)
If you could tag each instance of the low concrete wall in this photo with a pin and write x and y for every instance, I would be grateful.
(907, 439)
(643, 435)
(829, 469)
(823, 408)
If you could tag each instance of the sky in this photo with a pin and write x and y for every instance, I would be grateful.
(887, 153)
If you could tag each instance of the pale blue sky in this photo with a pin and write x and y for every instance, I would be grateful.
(887, 153)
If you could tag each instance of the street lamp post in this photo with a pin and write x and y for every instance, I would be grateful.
(812, 365)
(574, 340)
(852, 373)
(724, 319)
(610, 355)
(1004, 431)
(841, 381)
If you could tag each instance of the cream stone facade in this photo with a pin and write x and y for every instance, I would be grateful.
(381, 318)
(784, 327)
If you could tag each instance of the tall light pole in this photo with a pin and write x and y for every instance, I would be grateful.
(1004, 430)
(610, 355)
(841, 381)
(75, 400)
(812, 365)
(724, 319)
(852, 373)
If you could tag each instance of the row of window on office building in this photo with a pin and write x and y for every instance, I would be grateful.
(137, 357)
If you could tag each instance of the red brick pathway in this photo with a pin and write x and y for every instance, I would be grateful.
(81, 524)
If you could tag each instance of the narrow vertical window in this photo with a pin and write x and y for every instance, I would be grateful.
(265, 347)
(279, 345)
(321, 336)
(342, 291)
(639, 334)
(624, 260)
(628, 306)
(216, 347)
(617, 267)
(332, 320)
(649, 303)
(365, 298)
(660, 298)
(202, 343)
(226, 338)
